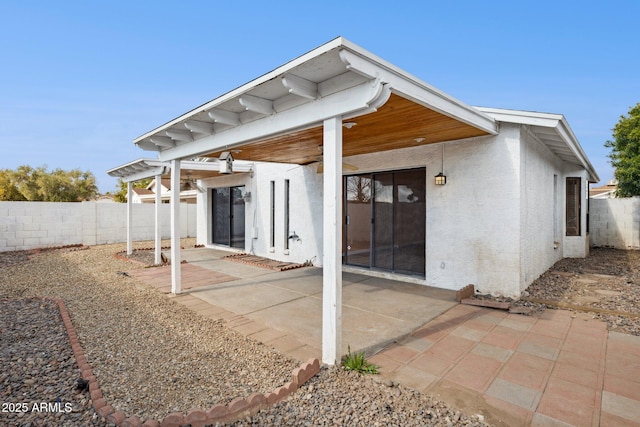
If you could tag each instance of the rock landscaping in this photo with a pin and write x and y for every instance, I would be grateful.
(152, 357)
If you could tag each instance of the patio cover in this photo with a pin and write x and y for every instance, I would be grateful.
(296, 114)
(153, 168)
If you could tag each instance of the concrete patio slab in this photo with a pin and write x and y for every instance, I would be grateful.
(246, 296)
(558, 369)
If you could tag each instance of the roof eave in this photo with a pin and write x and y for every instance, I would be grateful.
(337, 42)
(365, 64)
(549, 120)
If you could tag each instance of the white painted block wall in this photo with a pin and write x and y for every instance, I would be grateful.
(29, 225)
(615, 223)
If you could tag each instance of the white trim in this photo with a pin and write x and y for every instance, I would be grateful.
(332, 242)
(158, 238)
(176, 277)
(556, 122)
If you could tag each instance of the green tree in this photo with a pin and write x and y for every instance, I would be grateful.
(625, 153)
(8, 190)
(120, 196)
(36, 184)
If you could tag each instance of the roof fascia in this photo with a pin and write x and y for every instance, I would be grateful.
(356, 59)
(142, 162)
(554, 121)
(250, 85)
(415, 89)
(564, 130)
(523, 117)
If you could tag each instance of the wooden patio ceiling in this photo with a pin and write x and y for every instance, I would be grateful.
(399, 123)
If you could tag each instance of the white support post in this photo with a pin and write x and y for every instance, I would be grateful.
(176, 286)
(129, 217)
(332, 242)
(158, 252)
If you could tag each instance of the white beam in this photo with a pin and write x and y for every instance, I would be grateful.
(256, 105)
(163, 141)
(176, 278)
(158, 247)
(225, 117)
(299, 86)
(129, 217)
(332, 241)
(179, 135)
(199, 127)
(143, 174)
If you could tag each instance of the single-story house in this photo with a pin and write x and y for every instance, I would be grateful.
(353, 164)
(607, 191)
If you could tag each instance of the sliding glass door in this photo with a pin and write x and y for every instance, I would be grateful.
(385, 221)
(228, 212)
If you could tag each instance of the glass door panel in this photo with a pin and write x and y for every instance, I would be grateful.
(358, 220)
(383, 221)
(237, 217)
(385, 225)
(409, 222)
(221, 206)
(228, 212)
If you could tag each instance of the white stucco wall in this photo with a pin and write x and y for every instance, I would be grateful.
(29, 225)
(305, 211)
(615, 223)
(542, 208)
(495, 224)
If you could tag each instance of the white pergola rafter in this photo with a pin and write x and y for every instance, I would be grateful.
(199, 127)
(256, 104)
(180, 135)
(300, 87)
(229, 118)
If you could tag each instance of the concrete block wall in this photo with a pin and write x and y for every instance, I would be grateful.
(29, 225)
(615, 223)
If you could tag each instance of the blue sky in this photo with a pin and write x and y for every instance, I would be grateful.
(80, 80)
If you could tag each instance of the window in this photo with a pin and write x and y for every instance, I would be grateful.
(272, 216)
(574, 200)
(286, 214)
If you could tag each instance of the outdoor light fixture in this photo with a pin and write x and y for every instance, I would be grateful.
(441, 179)
(349, 125)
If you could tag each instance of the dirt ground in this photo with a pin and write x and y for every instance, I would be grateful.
(606, 284)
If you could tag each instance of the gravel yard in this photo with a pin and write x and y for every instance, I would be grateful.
(606, 284)
(152, 357)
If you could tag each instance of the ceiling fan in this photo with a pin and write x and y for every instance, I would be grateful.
(188, 183)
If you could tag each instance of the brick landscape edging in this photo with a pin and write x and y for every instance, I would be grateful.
(236, 409)
(239, 258)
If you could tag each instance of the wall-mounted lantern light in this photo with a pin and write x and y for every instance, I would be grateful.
(441, 179)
